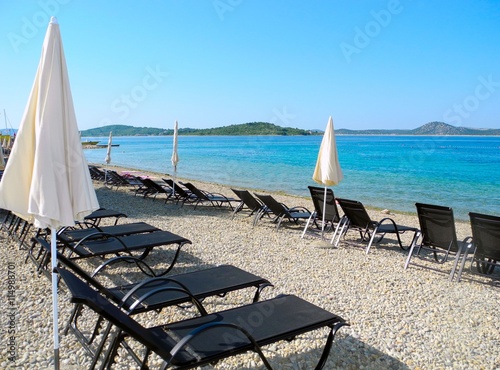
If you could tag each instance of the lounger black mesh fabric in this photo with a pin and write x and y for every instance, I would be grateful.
(327, 206)
(179, 194)
(111, 244)
(153, 293)
(485, 247)
(437, 234)
(97, 216)
(248, 201)
(212, 337)
(356, 218)
(71, 236)
(281, 211)
(215, 199)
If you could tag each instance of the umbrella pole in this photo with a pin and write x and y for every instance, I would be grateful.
(53, 251)
(175, 179)
(324, 214)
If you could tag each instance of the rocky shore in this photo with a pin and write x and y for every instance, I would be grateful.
(400, 319)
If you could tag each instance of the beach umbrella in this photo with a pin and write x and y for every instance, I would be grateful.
(175, 155)
(327, 171)
(108, 154)
(47, 180)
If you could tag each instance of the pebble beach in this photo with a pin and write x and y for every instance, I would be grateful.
(399, 319)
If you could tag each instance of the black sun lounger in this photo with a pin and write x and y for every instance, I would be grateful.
(68, 236)
(215, 199)
(73, 236)
(212, 337)
(96, 217)
(155, 293)
(127, 244)
(357, 218)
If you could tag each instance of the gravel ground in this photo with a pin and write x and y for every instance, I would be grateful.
(413, 319)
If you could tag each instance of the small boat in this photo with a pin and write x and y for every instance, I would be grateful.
(89, 142)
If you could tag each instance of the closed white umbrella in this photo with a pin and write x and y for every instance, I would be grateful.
(46, 180)
(327, 171)
(175, 155)
(108, 154)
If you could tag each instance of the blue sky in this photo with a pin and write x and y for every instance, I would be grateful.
(209, 63)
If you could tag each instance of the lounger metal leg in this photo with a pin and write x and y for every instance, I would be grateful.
(345, 223)
(371, 240)
(336, 229)
(413, 244)
(455, 263)
(307, 224)
(462, 265)
(238, 208)
(328, 345)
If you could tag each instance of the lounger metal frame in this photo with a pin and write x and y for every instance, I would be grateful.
(209, 338)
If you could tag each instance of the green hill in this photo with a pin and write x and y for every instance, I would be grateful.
(431, 128)
(245, 129)
(265, 128)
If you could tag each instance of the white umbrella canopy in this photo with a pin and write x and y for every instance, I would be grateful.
(328, 171)
(46, 180)
(108, 155)
(175, 155)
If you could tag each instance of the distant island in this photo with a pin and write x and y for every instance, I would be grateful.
(265, 128)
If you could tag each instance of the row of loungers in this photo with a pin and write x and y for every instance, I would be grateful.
(436, 231)
(180, 193)
(102, 319)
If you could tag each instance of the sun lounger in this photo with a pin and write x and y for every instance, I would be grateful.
(111, 244)
(202, 196)
(113, 178)
(73, 236)
(356, 218)
(155, 293)
(485, 248)
(96, 173)
(253, 205)
(281, 211)
(179, 194)
(152, 188)
(211, 337)
(97, 216)
(128, 244)
(437, 234)
(328, 208)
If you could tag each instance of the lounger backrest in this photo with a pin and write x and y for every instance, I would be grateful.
(356, 213)
(486, 235)
(74, 267)
(437, 225)
(153, 185)
(276, 207)
(193, 189)
(248, 199)
(177, 188)
(318, 199)
(82, 293)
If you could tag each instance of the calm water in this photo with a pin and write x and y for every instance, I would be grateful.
(390, 172)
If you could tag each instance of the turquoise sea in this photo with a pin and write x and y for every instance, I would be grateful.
(390, 172)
